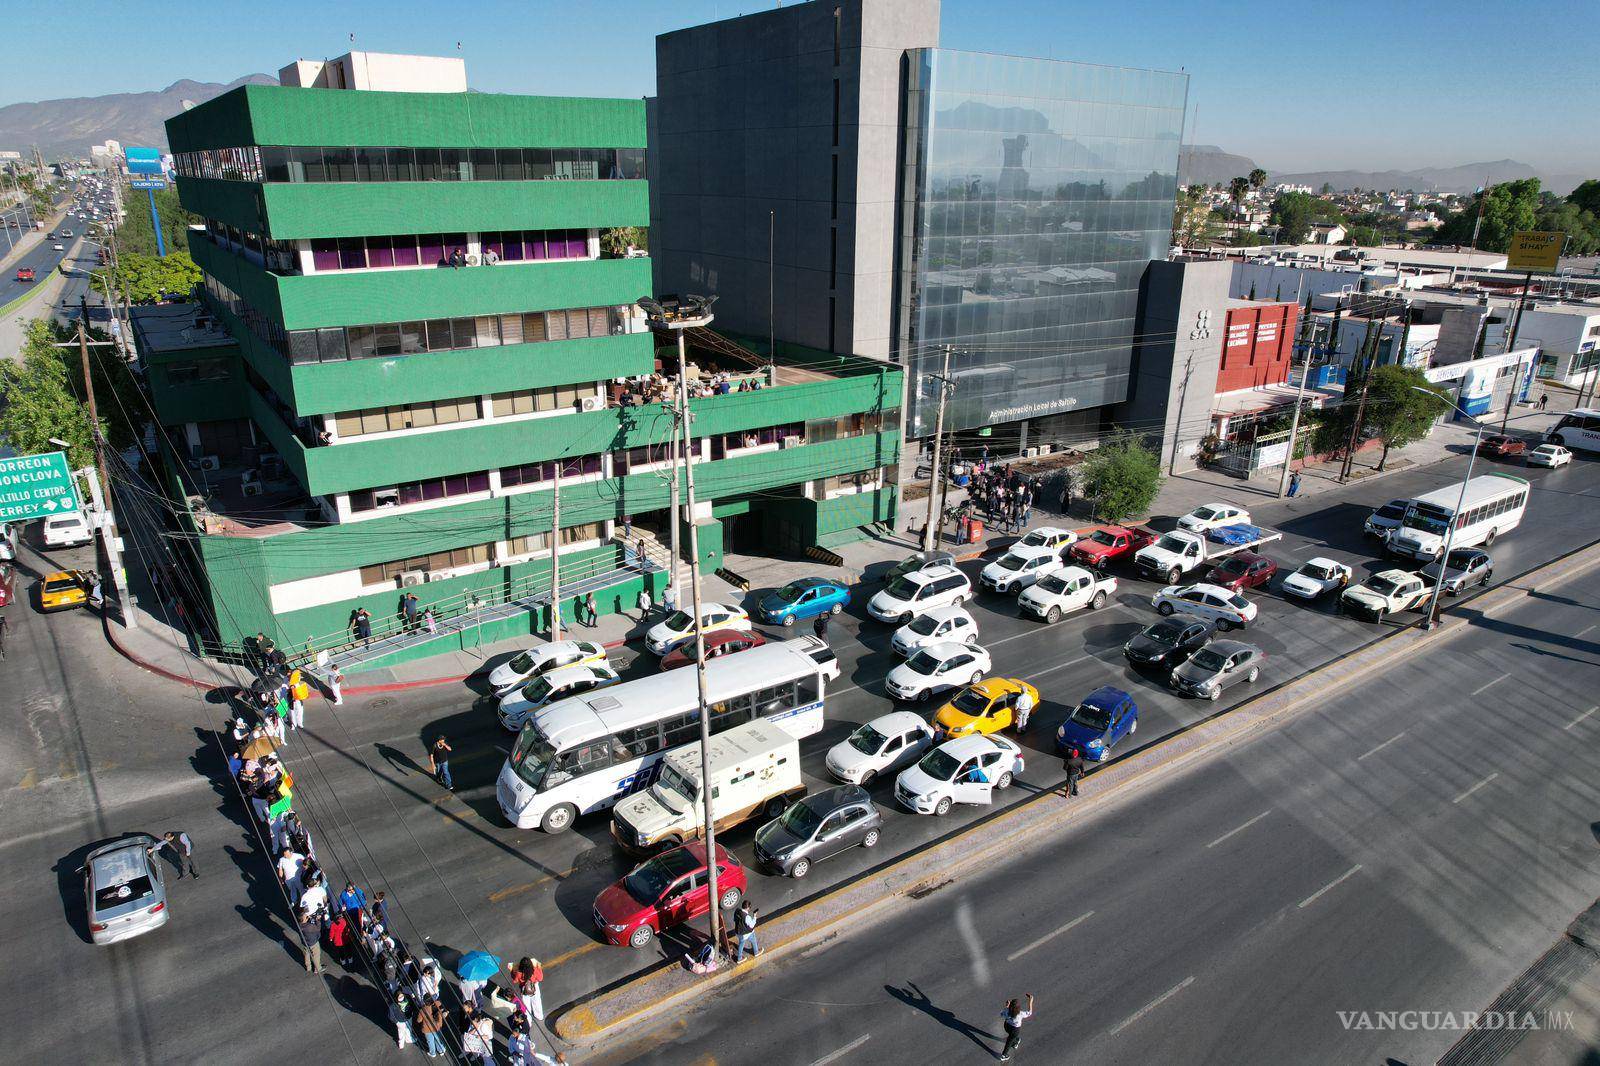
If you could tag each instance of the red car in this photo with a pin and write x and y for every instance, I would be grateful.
(25, 273)
(666, 891)
(718, 643)
(8, 584)
(1247, 570)
(1109, 543)
(1502, 447)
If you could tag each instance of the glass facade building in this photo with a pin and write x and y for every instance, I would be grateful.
(1034, 193)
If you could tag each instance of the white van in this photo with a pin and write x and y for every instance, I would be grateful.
(66, 530)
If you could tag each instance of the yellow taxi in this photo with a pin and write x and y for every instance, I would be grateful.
(64, 590)
(982, 707)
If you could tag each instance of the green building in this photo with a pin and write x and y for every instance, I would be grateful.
(416, 304)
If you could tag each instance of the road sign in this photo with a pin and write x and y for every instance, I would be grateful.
(148, 183)
(36, 486)
(1535, 251)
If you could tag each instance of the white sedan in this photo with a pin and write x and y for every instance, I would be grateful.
(678, 627)
(1551, 455)
(884, 744)
(964, 770)
(935, 669)
(1226, 607)
(1316, 578)
(942, 625)
(543, 659)
(1214, 516)
(1049, 537)
(521, 704)
(1020, 567)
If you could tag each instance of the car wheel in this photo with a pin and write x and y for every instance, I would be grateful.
(836, 608)
(871, 839)
(1164, 608)
(1174, 576)
(1227, 625)
(906, 618)
(558, 819)
(868, 778)
(731, 898)
(1005, 780)
(641, 937)
(1254, 673)
(800, 868)
(1133, 727)
(788, 621)
(1098, 602)
(776, 806)
(943, 807)
(1053, 616)
(1487, 574)
(1216, 694)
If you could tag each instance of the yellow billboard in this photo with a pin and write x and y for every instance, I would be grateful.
(1535, 251)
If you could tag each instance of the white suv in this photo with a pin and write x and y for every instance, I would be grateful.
(939, 626)
(66, 530)
(918, 593)
(965, 770)
(1020, 567)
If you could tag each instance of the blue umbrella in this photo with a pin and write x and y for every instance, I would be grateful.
(477, 966)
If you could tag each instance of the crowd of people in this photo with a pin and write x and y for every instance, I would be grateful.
(658, 388)
(1005, 496)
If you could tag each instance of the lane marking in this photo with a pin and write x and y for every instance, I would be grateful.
(1380, 747)
(568, 956)
(842, 1052)
(1586, 629)
(1582, 716)
(517, 890)
(1496, 681)
(1240, 829)
(1335, 883)
(1015, 955)
(1152, 1005)
(1063, 666)
(1475, 788)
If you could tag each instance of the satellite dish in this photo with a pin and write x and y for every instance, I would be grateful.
(188, 105)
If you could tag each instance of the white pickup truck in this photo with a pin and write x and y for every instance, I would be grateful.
(1064, 591)
(1180, 551)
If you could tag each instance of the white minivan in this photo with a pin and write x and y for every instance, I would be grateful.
(66, 530)
(910, 595)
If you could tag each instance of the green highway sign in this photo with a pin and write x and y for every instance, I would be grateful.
(35, 486)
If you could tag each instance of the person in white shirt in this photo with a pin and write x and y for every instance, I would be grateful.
(290, 866)
(1024, 710)
(1013, 1017)
(314, 899)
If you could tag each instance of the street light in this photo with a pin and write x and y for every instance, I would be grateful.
(1431, 617)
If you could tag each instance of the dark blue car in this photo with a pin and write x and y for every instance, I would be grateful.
(805, 598)
(1104, 717)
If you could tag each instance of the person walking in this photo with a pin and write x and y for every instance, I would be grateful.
(644, 603)
(1012, 1018)
(336, 687)
(439, 760)
(1073, 765)
(400, 1012)
(182, 848)
(429, 1021)
(744, 923)
(1544, 398)
(820, 626)
(1024, 710)
(591, 612)
(311, 939)
(364, 627)
(525, 978)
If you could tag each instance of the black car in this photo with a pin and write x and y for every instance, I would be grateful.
(1168, 643)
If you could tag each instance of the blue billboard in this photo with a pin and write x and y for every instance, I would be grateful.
(144, 161)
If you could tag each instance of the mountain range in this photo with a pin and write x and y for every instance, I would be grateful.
(66, 128)
(1208, 164)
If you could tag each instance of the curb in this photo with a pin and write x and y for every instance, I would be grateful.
(586, 1020)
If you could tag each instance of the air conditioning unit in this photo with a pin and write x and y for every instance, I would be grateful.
(412, 577)
(250, 483)
(591, 403)
(793, 442)
(210, 462)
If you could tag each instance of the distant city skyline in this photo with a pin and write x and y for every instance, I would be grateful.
(1293, 85)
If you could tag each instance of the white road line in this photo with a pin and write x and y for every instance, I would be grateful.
(1240, 829)
(1335, 883)
(1062, 666)
(1586, 629)
(1152, 1005)
(1582, 716)
(842, 1052)
(1380, 747)
(1475, 788)
(1496, 681)
(1015, 955)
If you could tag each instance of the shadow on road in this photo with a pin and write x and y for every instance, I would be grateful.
(912, 996)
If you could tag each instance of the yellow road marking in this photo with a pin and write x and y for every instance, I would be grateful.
(517, 890)
(574, 953)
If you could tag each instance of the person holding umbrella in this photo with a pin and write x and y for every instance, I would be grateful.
(475, 969)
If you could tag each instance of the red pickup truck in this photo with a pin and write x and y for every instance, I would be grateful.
(25, 273)
(1109, 543)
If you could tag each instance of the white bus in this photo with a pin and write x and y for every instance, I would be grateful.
(1492, 505)
(584, 753)
(1578, 429)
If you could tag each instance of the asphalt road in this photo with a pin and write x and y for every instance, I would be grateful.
(43, 258)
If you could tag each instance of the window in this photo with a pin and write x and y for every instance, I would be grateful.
(445, 560)
(637, 743)
(188, 373)
(437, 335)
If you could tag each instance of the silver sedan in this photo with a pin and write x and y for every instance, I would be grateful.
(1216, 666)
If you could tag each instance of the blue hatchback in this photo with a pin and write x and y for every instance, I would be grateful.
(1105, 716)
(805, 598)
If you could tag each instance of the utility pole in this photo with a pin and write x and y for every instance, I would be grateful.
(672, 511)
(929, 529)
(555, 554)
(1300, 393)
(1373, 330)
(99, 485)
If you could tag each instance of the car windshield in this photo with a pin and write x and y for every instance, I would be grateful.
(1100, 536)
(60, 584)
(1053, 583)
(1090, 716)
(867, 740)
(1204, 513)
(521, 663)
(650, 880)
(970, 701)
(1235, 565)
(1460, 560)
(902, 589)
(1039, 537)
(801, 820)
(537, 690)
(924, 662)
(672, 780)
(1164, 633)
(1389, 510)
(939, 765)
(1208, 660)
(1382, 584)
(532, 756)
(924, 625)
(1317, 573)
(1172, 544)
(1009, 561)
(791, 592)
(677, 621)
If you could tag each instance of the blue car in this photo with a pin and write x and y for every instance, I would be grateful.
(805, 598)
(1105, 716)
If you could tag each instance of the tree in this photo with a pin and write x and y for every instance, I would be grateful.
(1122, 477)
(148, 278)
(135, 233)
(1193, 222)
(1237, 188)
(616, 240)
(1587, 196)
(1507, 207)
(1327, 188)
(1363, 236)
(36, 401)
(1580, 226)
(1396, 413)
(1257, 178)
(1293, 213)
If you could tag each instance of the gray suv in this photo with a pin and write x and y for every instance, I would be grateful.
(823, 824)
(124, 891)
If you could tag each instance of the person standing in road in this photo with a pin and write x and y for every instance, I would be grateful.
(336, 687)
(1012, 1018)
(525, 978)
(310, 939)
(400, 1015)
(291, 865)
(430, 1019)
(352, 901)
(820, 626)
(1024, 710)
(1073, 765)
(182, 849)
(744, 923)
(439, 760)
(299, 692)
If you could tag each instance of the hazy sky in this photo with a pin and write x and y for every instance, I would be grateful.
(1295, 85)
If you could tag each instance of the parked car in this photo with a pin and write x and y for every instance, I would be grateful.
(666, 891)
(722, 642)
(1068, 589)
(963, 770)
(541, 660)
(802, 599)
(1551, 455)
(936, 668)
(1216, 666)
(125, 892)
(65, 530)
(521, 704)
(1213, 516)
(942, 625)
(986, 706)
(1464, 568)
(1316, 578)
(1048, 537)
(64, 590)
(920, 592)
(1383, 594)
(1385, 518)
(1020, 567)
(920, 561)
(1247, 570)
(1100, 719)
(679, 626)
(1227, 608)
(1166, 644)
(8, 585)
(1106, 545)
(1501, 446)
(884, 744)
(817, 827)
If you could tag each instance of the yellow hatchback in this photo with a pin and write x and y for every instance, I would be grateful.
(982, 707)
(63, 590)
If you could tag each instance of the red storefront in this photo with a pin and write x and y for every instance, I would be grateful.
(1256, 345)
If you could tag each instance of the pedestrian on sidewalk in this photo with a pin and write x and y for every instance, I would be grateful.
(439, 761)
(644, 603)
(430, 623)
(744, 923)
(1544, 398)
(591, 612)
(182, 848)
(1294, 484)
(310, 939)
(96, 600)
(336, 687)
(525, 978)
(430, 1019)
(1012, 1018)
(1073, 765)
(1024, 710)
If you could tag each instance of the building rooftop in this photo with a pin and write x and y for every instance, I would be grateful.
(177, 327)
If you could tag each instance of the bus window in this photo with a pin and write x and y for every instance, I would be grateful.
(637, 743)
(808, 690)
(583, 759)
(681, 729)
(729, 713)
(771, 701)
